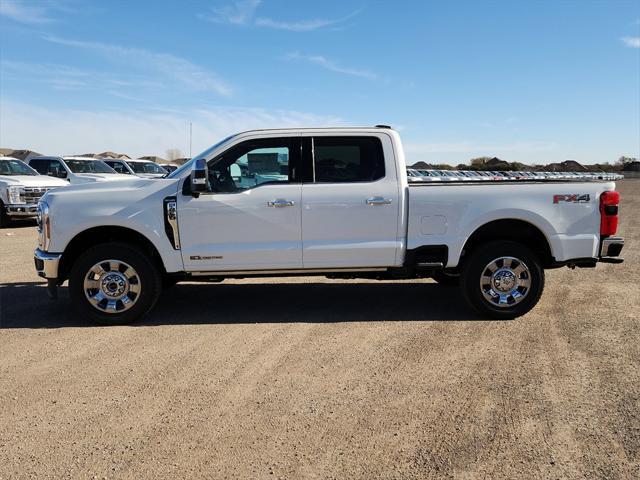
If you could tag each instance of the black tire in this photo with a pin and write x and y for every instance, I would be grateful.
(476, 266)
(169, 282)
(449, 279)
(147, 276)
(5, 220)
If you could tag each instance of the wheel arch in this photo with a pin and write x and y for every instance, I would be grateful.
(104, 234)
(514, 229)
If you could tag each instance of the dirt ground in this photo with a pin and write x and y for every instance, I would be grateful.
(319, 378)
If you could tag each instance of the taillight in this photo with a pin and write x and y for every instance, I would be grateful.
(609, 213)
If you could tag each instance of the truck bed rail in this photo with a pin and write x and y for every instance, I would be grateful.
(419, 176)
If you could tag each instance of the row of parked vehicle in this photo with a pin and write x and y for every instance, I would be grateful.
(23, 183)
(420, 175)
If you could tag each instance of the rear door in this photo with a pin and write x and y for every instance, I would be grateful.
(350, 202)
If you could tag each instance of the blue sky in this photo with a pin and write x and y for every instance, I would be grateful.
(532, 81)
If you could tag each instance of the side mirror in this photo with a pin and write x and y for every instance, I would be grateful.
(236, 172)
(199, 177)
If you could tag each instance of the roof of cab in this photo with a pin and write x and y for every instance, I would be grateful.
(315, 129)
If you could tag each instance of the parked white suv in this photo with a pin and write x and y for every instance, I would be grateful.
(140, 168)
(75, 169)
(20, 189)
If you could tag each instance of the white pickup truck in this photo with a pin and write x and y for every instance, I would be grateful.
(322, 201)
(76, 170)
(20, 190)
(139, 168)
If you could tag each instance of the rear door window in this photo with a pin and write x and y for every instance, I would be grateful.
(347, 159)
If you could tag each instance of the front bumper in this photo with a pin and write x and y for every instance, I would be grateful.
(47, 263)
(22, 210)
(610, 249)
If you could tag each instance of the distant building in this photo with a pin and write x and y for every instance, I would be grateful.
(566, 166)
(121, 156)
(153, 158)
(422, 166)
(24, 155)
(496, 164)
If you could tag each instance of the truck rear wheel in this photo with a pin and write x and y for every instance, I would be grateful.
(114, 283)
(502, 279)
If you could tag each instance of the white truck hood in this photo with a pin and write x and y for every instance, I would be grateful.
(102, 177)
(32, 181)
(80, 193)
(150, 175)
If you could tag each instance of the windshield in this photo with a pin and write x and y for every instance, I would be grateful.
(88, 166)
(15, 167)
(146, 167)
(205, 154)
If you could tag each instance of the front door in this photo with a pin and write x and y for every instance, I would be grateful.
(250, 218)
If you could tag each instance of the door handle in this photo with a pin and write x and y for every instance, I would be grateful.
(279, 203)
(378, 201)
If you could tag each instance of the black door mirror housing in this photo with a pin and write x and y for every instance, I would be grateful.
(199, 177)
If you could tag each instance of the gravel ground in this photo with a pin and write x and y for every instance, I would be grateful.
(317, 378)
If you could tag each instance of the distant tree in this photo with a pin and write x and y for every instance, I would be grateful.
(517, 166)
(478, 162)
(622, 161)
(173, 154)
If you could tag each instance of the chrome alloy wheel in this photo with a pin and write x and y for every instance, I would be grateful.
(112, 286)
(505, 282)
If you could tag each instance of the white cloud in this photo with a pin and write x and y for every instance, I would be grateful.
(302, 25)
(240, 12)
(24, 12)
(135, 132)
(633, 42)
(170, 67)
(332, 65)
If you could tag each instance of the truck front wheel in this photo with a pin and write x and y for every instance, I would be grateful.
(502, 279)
(114, 283)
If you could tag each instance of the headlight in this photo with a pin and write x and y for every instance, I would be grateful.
(15, 194)
(44, 226)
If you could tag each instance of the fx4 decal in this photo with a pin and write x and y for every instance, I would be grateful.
(572, 198)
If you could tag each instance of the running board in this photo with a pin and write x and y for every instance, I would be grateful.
(213, 273)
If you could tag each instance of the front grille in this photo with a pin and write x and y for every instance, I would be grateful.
(33, 194)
